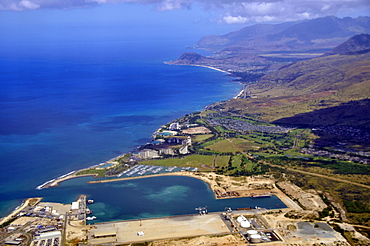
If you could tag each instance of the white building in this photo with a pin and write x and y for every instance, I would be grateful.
(175, 126)
(167, 151)
(187, 141)
(47, 235)
(184, 150)
(148, 154)
(75, 206)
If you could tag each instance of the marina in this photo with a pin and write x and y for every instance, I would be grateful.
(140, 170)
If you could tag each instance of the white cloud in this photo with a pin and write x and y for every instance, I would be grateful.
(230, 11)
(97, 1)
(234, 19)
(29, 5)
(168, 5)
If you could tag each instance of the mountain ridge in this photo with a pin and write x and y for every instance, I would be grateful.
(359, 44)
(262, 48)
(326, 31)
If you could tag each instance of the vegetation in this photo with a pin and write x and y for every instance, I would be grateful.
(201, 138)
(8, 222)
(99, 172)
(220, 145)
(203, 162)
(313, 92)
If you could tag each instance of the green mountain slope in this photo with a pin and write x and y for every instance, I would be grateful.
(316, 75)
(329, 90)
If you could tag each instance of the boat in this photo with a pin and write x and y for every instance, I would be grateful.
(90, 201)
(91, 218)
(260, 195)
(247, 208)
(202, 210)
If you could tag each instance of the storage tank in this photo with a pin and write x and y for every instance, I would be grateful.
(255, 238)
(251, 232)
(240, 219)
(245, 224)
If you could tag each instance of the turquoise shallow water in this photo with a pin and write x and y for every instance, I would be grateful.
(70, 106)
(150, 197)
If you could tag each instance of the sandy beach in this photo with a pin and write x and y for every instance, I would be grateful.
(16, 211)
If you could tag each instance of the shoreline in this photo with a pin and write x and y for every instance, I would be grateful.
(194, 65)
(217, 69)
(56, 182)
(210, 179)
(18, 209)
(213, 186)
(71, 175)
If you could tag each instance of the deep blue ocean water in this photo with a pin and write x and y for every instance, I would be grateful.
(69, 106)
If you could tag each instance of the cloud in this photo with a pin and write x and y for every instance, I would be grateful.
(228, 11)
(234, 19)
(29, 5)
(167, 5)
(20, 5)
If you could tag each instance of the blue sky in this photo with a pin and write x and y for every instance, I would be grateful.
(109, 22)
(114, 20)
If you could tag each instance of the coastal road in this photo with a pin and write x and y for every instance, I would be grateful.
(300, 171)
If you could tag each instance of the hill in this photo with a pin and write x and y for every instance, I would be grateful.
(320, 33)
(327, 90)
(358, 44)
(238, 62)
(262, 48)
(329, 73)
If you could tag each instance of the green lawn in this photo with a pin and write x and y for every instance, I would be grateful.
(222, 161)
(187, 161)
(222, 146)
(201, 138)
(99, 172)
(245, 144)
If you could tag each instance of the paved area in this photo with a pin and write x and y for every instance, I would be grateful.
(162, 228)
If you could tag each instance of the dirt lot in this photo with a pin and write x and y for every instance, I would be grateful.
(309, 199)
(231, 240)
(197, 130)
(297, 232)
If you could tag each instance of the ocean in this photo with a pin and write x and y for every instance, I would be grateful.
(70, 106)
